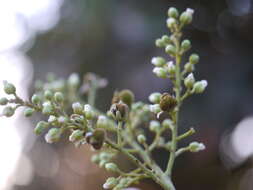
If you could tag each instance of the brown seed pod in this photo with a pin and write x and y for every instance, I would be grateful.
(96, 138)
(167, 102)
(120, 111)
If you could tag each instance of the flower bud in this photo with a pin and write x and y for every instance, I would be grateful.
(160, 72)
(9, 88)
(166, 39)
(76, 135)
(158, 61)
(28, 112)
(155, 108)
(173, 12)
(35, 99)
(111, 167)
(155, 97)
(186, 16)
(48, 94)
(110, 183)
(120, 111)
(186, 45)
(188, 67)
(200, 86)
(58, 97)
(159, 43)
(167, 102)
(194, 58)
(154, 126)
(52, 119)
(8, 111)
(171, 23)
(171, 68)
(40, 127)
(62, 119)
(170, 49)
(102, 122)
(167, 123)
(141, 138)
(53, 135)
(189, 81)
(3, 101)
(47, 109)
(196, 146)
(127, 97)
(73, 80)
(77, 108)
(89, 112)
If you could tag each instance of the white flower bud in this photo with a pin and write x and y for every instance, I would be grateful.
(77, 108)
(171, 22)
(167, 123)
(111, 167)
(188, 67)
(73, 80)
(186, 16)
(155, 97)
(158, 61)
(141, 138)
(171, 67)
(62, 119)
(110, 183)
(160, 72)
(53, 135)
(200, 86)
(173, 12)
(154, 126)
(89, 112)
(52, 119)
(196, 146)
(76, 135)
(170, 49)
(155, 108)
(58, 97)
(189, 81)
(102, 122)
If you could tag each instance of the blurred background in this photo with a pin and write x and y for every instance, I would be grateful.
(116, 40)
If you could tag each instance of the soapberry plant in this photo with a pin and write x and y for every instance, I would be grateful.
(70, 108)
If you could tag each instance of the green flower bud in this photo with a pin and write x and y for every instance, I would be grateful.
(166, 39)
(154, 126)
(58, 97)
(8, 111)
(171, 23)
(186, 45)
(77, 108)
(155, 97)
(36, 99)
(89, 112)
(40, 127)
(111, 167)
(76, 135)
(127, 97)
(53, 135)
(186, 16)
(167, 123)
(171, 68)
(103, 122)
(9, 88)
(167, 102)
(196, 147)
(155, 108)
(3, 101)
(110, 183)
(200, 86)
(28, 112)
(188, 67)
(48, 95)
(158, 61)
(159, 43)
(141, 138)
(173, 12)
(194, 58)
(73, 80)
(102, 163)
(160, 72)
(47, 109)
(170, 49)
(189, 81)
(95, 158)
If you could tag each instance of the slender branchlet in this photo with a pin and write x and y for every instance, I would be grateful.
(70, 108)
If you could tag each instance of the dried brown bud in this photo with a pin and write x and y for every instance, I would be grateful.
(115, 98)
(96, 138)
(167, 102)
(119, 111)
